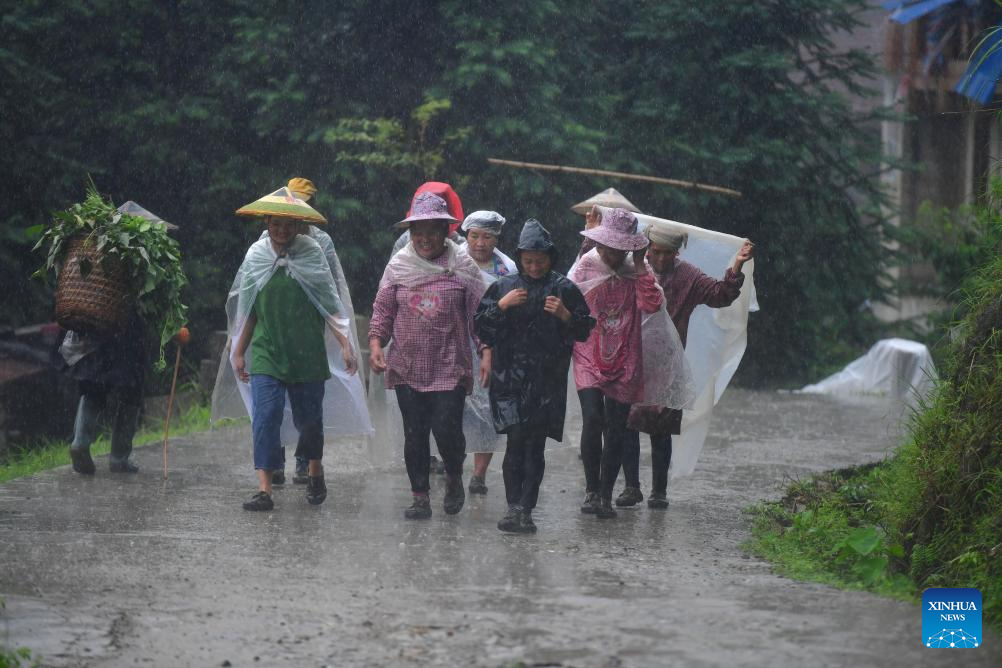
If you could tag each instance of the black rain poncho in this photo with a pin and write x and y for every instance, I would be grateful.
(532, 349)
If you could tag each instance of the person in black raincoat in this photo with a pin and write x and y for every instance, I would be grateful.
(103, 365)
(531, 320)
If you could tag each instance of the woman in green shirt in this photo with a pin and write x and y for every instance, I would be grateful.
(288, 299)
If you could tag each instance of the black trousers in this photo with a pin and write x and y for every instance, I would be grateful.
(604, 420)
(424, 413)
(660, 461)
(524, 464)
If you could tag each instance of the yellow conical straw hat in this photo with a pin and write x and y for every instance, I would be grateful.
(283, 204)
(610, 197)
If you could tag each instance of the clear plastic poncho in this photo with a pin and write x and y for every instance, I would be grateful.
(478, 423)
(667, 378)
(345, 410)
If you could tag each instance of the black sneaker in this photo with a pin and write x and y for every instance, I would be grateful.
(631, 496)
(316, 489)
(123, 467)
(590, 504)
(82, 462)
(278, 477)
(455, 495)
(260, 501)
(511, 522)
(658, 501)
(302, 475)
(605, 510)
(477, 485)
(525, 522)
(420, 508)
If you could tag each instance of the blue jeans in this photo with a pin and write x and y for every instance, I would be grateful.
(93, 399)
(307, 401)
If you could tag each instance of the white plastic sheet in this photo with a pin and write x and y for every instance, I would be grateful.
(896, 368)
(716, 339)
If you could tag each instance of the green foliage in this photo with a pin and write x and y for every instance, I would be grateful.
(956, 242)
(931, 516)
(195, 110)
(19, 657)
(747, 95)
(953, 523)
(151, 258)
(825, 530)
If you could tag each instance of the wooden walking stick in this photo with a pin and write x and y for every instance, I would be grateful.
(182, 338)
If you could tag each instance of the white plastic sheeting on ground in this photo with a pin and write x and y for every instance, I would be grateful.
(897, 368)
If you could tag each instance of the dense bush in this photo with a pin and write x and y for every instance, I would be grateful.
(194, 110)
(931, 516)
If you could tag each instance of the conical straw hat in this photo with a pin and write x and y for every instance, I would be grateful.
(132, 209)
(610, 198)
(283, 204)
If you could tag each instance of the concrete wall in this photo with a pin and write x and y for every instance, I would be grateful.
(945, 136)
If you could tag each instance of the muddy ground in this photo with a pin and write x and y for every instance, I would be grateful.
(128, 570)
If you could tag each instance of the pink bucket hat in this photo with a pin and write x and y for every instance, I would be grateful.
(618, 230)
(427, 206)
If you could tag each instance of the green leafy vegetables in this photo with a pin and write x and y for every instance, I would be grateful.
(152, 259)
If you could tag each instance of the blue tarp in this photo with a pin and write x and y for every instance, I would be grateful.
(906, 13)
(983, 72)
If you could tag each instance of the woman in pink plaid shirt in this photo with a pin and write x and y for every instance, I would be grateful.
(426, 301)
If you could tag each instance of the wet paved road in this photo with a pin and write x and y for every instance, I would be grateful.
(125, 571)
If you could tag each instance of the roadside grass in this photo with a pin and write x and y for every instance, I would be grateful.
(15, 657)
(48, 454)
(929, 516)
(827, 529)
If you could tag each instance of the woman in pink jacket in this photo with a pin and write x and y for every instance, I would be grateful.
(608, 367)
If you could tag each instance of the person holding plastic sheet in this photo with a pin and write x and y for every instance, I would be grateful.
(530, 320)
(482, 229)
(287, 299)
(425, 304)
(685, 288)
(633, 355)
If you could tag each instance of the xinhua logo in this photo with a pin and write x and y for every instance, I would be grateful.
(951, 618)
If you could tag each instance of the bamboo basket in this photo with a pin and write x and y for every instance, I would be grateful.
(98, 302)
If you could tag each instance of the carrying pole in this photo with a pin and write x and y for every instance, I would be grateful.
(616, 175)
